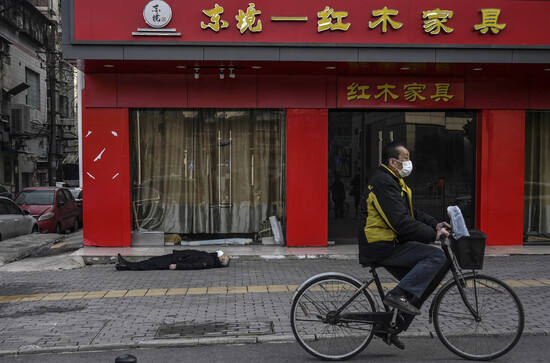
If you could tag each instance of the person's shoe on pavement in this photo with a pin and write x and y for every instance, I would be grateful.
(121, 263)
(400, 302)
(392, 340)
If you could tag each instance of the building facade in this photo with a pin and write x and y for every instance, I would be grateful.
(207, 119)
(25, 27)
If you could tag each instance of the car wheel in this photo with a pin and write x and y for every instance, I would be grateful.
(75, 225)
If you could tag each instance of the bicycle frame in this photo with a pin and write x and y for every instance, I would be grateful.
(458, 276)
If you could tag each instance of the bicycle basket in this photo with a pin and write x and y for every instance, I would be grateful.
(469, 251)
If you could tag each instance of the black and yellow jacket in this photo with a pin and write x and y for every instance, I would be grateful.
(389, 215)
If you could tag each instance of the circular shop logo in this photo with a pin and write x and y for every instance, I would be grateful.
(157, 13)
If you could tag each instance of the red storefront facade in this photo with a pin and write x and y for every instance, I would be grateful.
(304, 60)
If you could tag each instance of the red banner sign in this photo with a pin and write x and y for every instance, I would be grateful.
(382, 92)
(350, 22)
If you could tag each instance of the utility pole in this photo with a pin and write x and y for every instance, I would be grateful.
(51, 60)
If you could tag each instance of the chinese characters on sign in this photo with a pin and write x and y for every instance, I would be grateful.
(380, 92)
(433, 21)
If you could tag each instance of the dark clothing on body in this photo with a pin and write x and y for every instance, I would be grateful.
(183, 259)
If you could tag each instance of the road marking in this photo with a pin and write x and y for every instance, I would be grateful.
(214, 290)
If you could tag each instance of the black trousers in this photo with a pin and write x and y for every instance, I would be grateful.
(400, 272)
(153, 263)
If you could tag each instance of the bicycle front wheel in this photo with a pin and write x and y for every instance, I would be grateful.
(320, 333)
(490, 330)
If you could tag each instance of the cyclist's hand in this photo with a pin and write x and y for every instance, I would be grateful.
(443, 225)
(442, 234)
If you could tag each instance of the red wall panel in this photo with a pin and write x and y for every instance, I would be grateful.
(539, 92)
(106, 176)
(211, 91)
(152, 90)
(492, 93)
(101, 90)
(292, 91)
(502, 167)
(307, 177)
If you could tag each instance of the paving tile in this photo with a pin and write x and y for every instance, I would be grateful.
(176, 291)
(136, 293)
(237, 290)
(156, 292)
(277, 288)
(217, 290)
(256, 288)
(115, 293)
(196, 291)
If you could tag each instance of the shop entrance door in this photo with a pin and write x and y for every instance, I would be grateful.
(442, 146)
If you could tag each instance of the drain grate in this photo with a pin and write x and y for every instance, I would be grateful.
(214, 329)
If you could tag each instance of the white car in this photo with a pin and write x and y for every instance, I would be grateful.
(13, 221)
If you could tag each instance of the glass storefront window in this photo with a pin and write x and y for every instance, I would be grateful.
(536, 225)
(206, 171)
(442, 146)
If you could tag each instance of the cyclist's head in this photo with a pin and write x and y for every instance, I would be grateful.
(394, 155)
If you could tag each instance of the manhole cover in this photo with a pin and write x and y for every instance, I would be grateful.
(214, 329)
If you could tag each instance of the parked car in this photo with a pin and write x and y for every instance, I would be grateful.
(14, 221)
(5, 192)
(53, 207)
(77, 194)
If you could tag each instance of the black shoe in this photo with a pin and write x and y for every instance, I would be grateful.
(122, 267)
(401, 303)
(393, 340)
(120, 259)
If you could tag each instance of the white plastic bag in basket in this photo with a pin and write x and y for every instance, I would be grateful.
(457, 222)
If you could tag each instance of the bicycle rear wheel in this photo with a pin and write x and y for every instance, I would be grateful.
(500, 318)
(325, 338)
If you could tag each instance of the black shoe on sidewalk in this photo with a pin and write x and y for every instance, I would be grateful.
(401, 303)
(393, 340)
(120, 259)
(122, 267)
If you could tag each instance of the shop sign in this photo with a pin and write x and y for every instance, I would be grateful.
(353, 22)
(157, 14)
(385, 92)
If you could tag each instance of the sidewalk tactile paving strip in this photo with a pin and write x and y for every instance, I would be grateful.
(116, 293)
(176, 291)
(136, 292)
(156, 292)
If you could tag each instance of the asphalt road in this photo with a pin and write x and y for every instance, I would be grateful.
(529, 349)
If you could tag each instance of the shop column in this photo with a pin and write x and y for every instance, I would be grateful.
(106, 177)
(501, 174)
(307, 177)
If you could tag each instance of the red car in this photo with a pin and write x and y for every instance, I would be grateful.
(53, 207)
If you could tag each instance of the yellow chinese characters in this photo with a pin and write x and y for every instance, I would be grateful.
(246, 20)
(357, 92)
(386, 92)
(215, 17)
(384, 19)
(435, 21)
(327, 15)
(413, 91)
(489, 20)
(442, 92)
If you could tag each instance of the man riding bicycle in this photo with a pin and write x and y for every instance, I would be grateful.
(395, 235)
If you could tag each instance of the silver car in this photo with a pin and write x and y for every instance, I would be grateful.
(13, 221)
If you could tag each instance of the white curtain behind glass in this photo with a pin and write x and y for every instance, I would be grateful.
(537, 175)
(206, 171)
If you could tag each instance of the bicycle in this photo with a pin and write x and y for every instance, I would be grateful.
(478, 317)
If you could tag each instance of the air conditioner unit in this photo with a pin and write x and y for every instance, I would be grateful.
(20, 119)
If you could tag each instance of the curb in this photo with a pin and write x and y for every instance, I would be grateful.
(191, 342)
